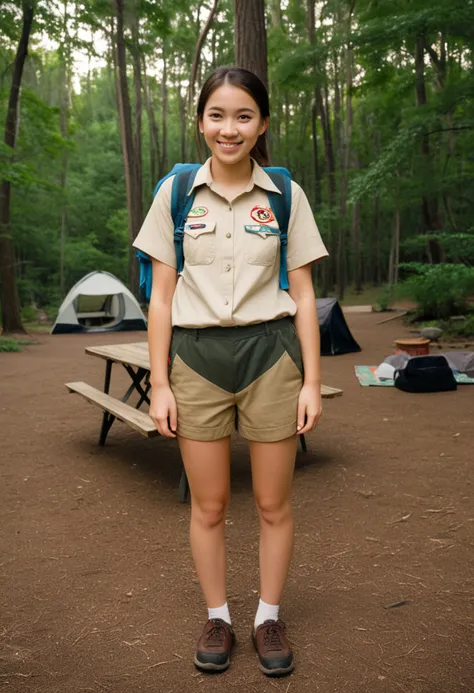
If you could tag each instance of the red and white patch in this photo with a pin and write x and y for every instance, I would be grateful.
(262, 215)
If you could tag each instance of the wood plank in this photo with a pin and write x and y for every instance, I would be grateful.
(135, 418)
(122, 353)
(330, 392)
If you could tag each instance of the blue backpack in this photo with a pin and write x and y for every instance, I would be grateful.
(181, 205)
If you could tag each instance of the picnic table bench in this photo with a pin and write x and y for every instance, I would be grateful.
(134, 358)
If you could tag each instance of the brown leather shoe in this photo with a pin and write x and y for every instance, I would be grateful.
(214, 646)
(273, 649)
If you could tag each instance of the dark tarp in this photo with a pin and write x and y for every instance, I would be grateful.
(336, 338)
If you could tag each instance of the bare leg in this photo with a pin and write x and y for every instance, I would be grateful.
(207, 467)
(272, 474)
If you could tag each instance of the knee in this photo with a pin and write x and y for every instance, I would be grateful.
(209, 514)
(274, 512)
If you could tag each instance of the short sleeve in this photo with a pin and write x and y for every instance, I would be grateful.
(156, 236)
(305, 244)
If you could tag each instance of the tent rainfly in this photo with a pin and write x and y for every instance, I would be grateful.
(99, 302)
(336, 338)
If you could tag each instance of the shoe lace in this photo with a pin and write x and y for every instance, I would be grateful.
(216, 634)
(272, 637)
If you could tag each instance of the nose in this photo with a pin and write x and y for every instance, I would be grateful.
(229, 129)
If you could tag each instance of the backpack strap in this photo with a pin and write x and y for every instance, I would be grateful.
(281, 208)
(181, 205)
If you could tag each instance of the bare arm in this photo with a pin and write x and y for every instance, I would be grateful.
(163, 406)
(307, 326)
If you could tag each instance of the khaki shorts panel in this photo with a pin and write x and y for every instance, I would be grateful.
(268, 407)
(205, 411)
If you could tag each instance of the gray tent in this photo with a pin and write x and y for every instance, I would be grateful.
(336, 337)
(99, 302)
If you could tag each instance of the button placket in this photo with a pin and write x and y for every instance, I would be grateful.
(228, 264)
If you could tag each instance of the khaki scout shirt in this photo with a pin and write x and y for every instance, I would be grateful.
(231, 268)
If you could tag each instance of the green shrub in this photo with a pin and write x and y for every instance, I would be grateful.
(7, 344)
(441, 290)
(385, 299)
(28, 314)
(466, 328)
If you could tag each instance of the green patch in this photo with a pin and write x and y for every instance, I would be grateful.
(9, 345)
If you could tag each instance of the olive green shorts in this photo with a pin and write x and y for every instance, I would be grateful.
(252, 374)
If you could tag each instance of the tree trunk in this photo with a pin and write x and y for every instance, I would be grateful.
(137, 83)
(64, 110)
(10, 303)
(429, 204)
(311, 20)
(250, 37)
(152, 128)
(356, 243)
(164, 116)
(133, 188)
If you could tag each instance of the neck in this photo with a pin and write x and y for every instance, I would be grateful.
(239, 173)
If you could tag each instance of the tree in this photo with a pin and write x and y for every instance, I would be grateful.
(131, 147)
(9, 293)
(251, 37)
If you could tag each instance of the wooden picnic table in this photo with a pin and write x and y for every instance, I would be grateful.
(134, 358)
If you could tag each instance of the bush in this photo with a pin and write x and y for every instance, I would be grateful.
(441, 290)
(10, 345)
(28, 314)
(385, 298)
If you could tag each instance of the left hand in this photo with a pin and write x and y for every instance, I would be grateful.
(309, 408)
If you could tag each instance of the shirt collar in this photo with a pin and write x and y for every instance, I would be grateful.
(259, 177)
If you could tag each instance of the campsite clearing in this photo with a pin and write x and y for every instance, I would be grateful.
(98, 587)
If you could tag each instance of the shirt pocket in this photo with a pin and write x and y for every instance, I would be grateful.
(199, 242)
(261, 244)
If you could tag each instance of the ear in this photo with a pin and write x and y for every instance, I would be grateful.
(201, 128)
(264, 125)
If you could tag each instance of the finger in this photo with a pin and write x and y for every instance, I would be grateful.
(300, 418)
(309, 424)
(164, 428)
(173, 417)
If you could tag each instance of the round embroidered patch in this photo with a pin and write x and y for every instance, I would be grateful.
(262, 214)
(198, 212)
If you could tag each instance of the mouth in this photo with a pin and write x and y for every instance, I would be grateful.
(229, 146)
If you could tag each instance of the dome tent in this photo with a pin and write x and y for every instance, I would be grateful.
(336, 337)
(99, 302)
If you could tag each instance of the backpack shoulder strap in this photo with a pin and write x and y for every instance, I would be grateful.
(281, 207)
(181, 204)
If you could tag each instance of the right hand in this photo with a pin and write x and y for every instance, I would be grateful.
(163, 411)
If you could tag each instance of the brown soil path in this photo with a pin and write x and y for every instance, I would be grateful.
(98, 592)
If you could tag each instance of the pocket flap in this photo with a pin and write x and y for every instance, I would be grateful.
(262, 230)
(197, 228)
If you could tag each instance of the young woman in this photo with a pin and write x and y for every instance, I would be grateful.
(238, 343)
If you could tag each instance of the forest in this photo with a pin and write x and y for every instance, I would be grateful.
(372, 110)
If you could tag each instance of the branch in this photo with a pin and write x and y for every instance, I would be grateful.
(433, 55)
(197, 53)
(461, 127)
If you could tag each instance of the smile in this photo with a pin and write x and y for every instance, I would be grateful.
(229, 145)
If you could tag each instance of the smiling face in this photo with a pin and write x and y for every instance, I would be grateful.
(231, 124)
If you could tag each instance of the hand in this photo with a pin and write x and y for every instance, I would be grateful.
(163, 411)
(309, 408)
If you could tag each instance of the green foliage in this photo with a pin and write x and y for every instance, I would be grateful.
(440, 290)
(458, 247)
(386, 298)
(9, 345)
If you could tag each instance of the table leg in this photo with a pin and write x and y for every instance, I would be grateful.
(107, 419)
(303, 444)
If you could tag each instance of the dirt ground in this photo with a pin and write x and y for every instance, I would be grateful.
(97, 587)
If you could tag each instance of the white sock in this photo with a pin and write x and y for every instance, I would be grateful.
(266, 612)
(221, 612)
